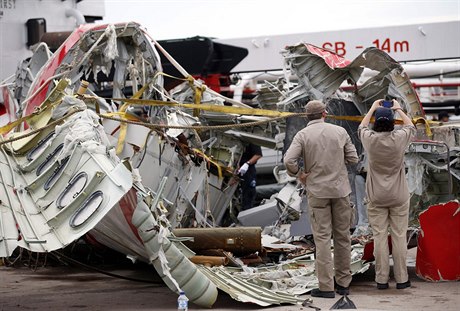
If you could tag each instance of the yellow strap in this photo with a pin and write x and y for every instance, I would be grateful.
(261, 112)
(208, 159)
(122, 115)
(197, 100)
(427, 125)
(170, 76)
(123, 125)
(255, 111)
(6, 128)
(356, 118)
(51, 101)
(346, 118)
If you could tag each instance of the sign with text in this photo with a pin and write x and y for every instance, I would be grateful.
(428, 41)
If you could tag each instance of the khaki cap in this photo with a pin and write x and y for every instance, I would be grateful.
(315, 107)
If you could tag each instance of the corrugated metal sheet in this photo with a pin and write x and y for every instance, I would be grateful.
(242, 290)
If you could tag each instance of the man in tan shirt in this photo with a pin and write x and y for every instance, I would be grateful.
(325, 150)
(387, 190)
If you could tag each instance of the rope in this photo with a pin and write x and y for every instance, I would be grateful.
(186, 127)
(154, 126)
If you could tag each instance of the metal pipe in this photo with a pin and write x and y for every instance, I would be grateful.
(80, 19)
(238, 240)
(439, 84)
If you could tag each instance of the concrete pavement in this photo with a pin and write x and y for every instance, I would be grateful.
(71, 288)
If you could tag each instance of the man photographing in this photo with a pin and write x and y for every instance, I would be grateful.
(387, 190)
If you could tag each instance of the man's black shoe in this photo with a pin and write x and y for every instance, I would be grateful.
(382, 285)
(342, 290)
(324, 294)
(403, 285)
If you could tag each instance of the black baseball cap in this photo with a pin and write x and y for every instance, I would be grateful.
(383, 113)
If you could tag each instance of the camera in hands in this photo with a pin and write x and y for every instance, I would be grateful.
(387, 102)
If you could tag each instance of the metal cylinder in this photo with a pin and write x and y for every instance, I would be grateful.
(83, 87)
(240, 240)
(55, 39)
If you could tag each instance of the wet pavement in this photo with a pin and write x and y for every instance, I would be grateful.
(74, 288)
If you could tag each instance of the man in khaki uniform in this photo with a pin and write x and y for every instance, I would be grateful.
(326, 149)
(387, 190)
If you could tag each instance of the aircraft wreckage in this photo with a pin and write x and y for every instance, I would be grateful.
(97, 147)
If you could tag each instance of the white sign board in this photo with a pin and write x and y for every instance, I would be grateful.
(404, 43)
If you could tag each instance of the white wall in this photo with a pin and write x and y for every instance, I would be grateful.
(13, 32)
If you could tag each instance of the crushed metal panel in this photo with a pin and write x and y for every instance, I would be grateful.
(321, 73)
(159, 159)
(268, 285)
(433, 170)
(314, 71)
(62, 184)
(100, 48)
(438, 252)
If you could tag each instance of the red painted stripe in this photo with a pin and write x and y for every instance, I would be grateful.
(128, 204)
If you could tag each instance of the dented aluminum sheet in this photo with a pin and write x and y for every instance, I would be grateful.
(433, 169)
(169, 260)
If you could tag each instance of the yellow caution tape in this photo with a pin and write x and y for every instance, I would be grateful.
(416, 121)
(206, 107)
(261, 112)
(135, 100)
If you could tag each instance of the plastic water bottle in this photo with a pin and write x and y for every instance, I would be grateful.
(182, 302)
